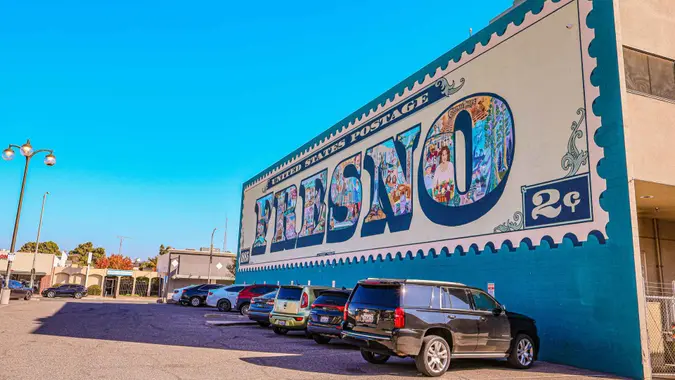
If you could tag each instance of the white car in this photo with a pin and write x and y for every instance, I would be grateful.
(175, 297)
(224, 298)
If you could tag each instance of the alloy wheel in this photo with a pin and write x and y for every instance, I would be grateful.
(525, 352)
(437, 357)
(195, 302)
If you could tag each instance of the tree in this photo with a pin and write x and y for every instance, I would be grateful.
(44, 247)
(79, 254)
(233, 267)
(150, 264)
(102, 263)
(164, 250)
(120, 262)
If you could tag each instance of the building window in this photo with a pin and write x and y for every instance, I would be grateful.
(649, 74)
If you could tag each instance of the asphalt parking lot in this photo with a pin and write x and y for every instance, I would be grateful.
(67, 339)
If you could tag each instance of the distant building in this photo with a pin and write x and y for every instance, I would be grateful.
(183, 267)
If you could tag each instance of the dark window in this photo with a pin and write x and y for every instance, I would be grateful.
(482, 301)
(417, 296)
(649, 74)
(337, 299)
(455, 298)
(270, 295)
(235, 288)
(387, 296)
(289, 294)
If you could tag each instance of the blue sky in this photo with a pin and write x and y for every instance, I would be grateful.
(159, 111)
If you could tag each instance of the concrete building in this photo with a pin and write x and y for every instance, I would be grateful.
(183, 267)
(534, 157)
(23, 264)
(113, 282)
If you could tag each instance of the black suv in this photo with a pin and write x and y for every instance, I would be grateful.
(433, 322)
(67, 290)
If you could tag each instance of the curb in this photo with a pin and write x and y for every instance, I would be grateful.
(231, 323)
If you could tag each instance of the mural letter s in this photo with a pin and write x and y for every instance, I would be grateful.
(345, 200)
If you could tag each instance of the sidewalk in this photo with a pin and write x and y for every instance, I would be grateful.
(124, 299)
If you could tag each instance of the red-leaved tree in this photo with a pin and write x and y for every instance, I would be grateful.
(120, 262)
(102, 263)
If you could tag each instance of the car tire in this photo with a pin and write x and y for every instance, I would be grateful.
(244, 309)
(51, 294)
(320, 339)
(195, 302)
(374, 358)
(28, 296)
(522, 352)
(224, 306)
(279, 330)
(434, 357)
(263, 324)
(77, 296)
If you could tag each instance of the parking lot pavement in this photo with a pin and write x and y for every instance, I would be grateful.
(63, 339)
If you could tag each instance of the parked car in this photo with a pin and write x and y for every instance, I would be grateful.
(67, 290)
(175, 296)
(18, 291)
(325, 317)
(196, 295)
(243, 299)
(261, 307)
(292, 307)
(224, 298)
(435, 322)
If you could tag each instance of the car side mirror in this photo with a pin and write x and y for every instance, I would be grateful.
(497, 311)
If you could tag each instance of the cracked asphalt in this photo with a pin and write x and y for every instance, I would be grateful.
(67, 339)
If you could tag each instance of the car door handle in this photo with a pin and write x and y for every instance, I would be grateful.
(452, 316)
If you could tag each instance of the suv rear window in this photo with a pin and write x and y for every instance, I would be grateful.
(386, 296)
(289, 294)
(337, 299)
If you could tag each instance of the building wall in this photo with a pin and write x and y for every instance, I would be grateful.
(583, 295)
(648, 25)
(648, 247)
(24, 262)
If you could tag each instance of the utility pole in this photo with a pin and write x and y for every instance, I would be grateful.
(208, 279)
(225, 237)
(37, 242)
(121, 240)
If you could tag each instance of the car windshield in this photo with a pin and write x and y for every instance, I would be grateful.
(386, 296)
(290, 294)
(337, 299)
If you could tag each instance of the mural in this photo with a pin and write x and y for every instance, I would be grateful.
(490, 146)
(469, 156)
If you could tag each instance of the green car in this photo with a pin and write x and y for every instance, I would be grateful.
(292, 307)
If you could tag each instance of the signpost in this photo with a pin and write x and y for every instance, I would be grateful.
(491, 288)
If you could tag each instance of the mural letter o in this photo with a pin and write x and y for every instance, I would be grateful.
(486, 123)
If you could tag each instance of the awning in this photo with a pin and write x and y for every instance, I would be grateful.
(201, 277)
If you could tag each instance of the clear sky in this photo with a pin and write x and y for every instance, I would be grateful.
(158, 111)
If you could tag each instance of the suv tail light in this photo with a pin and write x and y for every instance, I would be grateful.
(399, 318)
(346, 312)
(210, 293)
(270, 302)
(184, 290)
(304, 301)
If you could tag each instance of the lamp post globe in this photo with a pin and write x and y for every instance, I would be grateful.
(8, 154)
(26, 149)
(50, 160)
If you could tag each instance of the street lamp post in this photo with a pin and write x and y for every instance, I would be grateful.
(37, 241)
(208, 281)
(8, 154)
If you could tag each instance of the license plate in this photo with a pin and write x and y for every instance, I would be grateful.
(324, 319)
(366, 318)
(281, 323)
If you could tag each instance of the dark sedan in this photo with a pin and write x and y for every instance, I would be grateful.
(67, 290)
(261, 307)
(325, 319)
(196, 295)
(18, 291)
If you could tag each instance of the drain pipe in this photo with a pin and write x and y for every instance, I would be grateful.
(657, 239)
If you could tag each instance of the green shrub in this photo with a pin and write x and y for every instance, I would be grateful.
(94, 290)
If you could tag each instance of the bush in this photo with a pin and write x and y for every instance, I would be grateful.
(94, 290)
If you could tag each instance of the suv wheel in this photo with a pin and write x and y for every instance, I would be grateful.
(28, 296)
(320, 339)
(374, 358)
(434, 358)
(51, 294)
(279, 330)
(522, 352)
(224, 306)
(244, 309)
(78, 295)
(195, 302)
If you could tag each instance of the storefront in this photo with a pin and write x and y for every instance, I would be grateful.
(23, 266)
(516, 160)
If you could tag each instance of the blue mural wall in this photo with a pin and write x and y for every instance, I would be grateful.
(583, 295)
